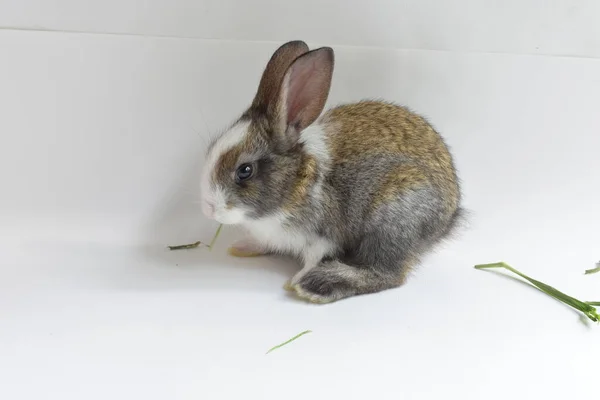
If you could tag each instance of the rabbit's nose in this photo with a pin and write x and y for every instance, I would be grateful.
(208, 209)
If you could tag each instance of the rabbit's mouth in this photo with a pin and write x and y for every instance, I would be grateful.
(229, 215)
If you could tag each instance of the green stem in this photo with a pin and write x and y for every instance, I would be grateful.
(214, 239)
(288, 341)
(185, 246)
(585, 308)
(593, 270)
(197, 244)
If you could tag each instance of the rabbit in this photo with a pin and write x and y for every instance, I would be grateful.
(357, 194)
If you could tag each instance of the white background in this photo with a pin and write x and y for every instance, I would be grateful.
(105, 110)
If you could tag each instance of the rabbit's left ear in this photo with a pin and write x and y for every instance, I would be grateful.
(268, 88)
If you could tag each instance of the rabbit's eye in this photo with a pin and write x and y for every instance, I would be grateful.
(244, 172)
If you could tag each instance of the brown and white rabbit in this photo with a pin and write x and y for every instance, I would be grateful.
(357, 194)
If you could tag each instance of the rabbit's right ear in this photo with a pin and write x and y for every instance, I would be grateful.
(268, 89)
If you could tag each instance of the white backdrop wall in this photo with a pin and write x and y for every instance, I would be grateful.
(118, 122)
(554, 27)
(108, 131)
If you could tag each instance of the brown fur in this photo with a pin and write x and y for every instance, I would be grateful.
(370, 127)
(396, 181)
(306, 177)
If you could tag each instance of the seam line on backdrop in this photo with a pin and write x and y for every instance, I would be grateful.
(156, 36)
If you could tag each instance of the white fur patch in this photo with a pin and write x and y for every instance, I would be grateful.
(272, 233)
(214, 202)
(313, 138)
(232, 216)
(315, 144)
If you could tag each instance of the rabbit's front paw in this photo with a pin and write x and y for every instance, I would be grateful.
(246, 248)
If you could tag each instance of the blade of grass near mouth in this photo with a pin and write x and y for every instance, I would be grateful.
(214, 239)
(198, 243)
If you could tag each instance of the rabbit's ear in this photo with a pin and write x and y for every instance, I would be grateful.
(268, 89)
(304, 90)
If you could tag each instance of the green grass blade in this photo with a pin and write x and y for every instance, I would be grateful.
(214, 239)
(198, 243)
(593, 270)
(584, 307)
(185, 246)
(288, 341)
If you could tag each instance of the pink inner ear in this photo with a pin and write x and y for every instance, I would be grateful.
(306, 86)
(302, 88)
